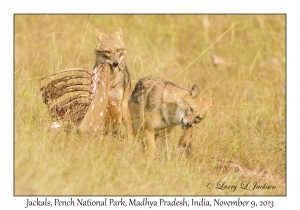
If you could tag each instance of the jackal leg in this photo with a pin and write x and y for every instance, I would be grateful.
(150, 142)
(163, 136)
(185, 142)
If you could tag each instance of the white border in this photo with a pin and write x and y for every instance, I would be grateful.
(8, 201)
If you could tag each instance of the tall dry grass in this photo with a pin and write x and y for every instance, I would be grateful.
(246, 124)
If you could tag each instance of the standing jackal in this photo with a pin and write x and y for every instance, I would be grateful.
(157, 105)
(111, 50)
(93, 101)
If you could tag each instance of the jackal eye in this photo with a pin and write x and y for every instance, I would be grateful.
(106, 53)
(198, 119)
(119, 50)
(191, 109)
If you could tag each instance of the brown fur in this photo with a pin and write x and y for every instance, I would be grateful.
(94, 120)
(110, 50)
(158, 105)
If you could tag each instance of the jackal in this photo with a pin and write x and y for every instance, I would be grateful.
(111, 50)
(158, 105)
(100, 104)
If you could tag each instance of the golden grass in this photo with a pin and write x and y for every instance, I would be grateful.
(246, 124)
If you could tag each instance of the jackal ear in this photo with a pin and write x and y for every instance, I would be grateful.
(119, 31)
(194, 91)
(208, 101)
(98, 34)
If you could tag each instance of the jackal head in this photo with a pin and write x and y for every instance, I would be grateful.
(192, 108)
(110, 48)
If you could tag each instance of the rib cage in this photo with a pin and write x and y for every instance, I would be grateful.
(68, 93)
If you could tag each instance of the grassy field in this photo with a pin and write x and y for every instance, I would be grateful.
(245, 126)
